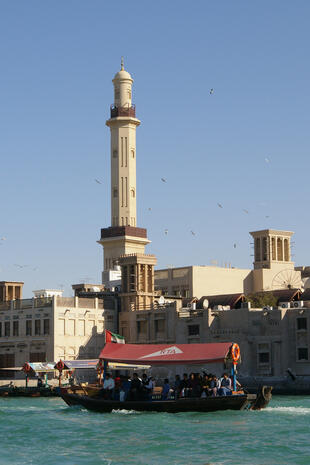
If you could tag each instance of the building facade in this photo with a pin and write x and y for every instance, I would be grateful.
(53, 328)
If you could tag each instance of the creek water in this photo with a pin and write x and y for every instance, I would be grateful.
(47, 431)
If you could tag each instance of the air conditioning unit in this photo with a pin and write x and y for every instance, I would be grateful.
(297, 304)
(285, 305)
(189, 305)
(218, 307)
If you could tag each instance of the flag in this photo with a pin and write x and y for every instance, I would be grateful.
(112, 337)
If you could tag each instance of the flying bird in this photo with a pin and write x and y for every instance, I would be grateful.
(98, 182)
(219, 205)
(149, 209)
(163, 179)
(166, 231)
(193, 233)
(267, 160)
(3, 238)
(20, 266)
(211, 91)
(267, 216)
(235, 246)
(245, 211)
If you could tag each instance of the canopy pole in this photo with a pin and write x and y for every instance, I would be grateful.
(26, 380)
(105, 368)
(233, 372)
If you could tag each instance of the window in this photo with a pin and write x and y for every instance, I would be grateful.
(193, 330)
(301, 323)
(257, 249)
(37, 357)
(46, 327)
(264, 247)
(302, 353)
(0, 329)
(70, 330)
(141, 327)
(28, 327)
(81, 328)
(7, 328)
(263, 357)
(159, 326)
(37, 327)
(15, 328)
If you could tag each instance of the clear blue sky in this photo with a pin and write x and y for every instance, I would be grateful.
(57, 62)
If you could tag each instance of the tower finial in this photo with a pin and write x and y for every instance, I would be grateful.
(122, 64)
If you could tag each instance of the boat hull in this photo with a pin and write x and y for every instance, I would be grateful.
(209, 404)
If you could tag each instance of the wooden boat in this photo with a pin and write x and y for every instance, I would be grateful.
(186, 354)
(184, 404)
(30, 391)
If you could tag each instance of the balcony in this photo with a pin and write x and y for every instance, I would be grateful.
(123, 111)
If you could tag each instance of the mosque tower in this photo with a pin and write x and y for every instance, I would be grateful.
(123, 236)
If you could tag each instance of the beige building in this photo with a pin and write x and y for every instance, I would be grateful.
(53, 328)
(273, 269)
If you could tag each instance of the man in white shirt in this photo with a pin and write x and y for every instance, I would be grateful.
(108, 386)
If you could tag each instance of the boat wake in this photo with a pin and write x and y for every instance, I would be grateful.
(126, 412)
(290, 410)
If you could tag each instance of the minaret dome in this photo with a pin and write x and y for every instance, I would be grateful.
(122, 88)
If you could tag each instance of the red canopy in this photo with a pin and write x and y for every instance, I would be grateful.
(161, 354)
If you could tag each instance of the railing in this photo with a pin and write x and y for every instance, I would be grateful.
(123, 111)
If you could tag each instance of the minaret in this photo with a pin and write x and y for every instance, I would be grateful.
(123, 236)
(123, 124)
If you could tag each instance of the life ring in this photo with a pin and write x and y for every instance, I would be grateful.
(26, 367)
(60, 365)
(235, 352)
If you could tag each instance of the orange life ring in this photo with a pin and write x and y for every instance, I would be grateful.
(26, 367)
(235, 352)
(60, 365)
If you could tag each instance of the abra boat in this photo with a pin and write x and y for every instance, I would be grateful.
(185, 354)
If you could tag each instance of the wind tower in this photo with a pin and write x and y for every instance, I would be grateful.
(123, 236)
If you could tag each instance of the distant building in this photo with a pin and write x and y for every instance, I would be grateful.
(53, 328)
(273, 269)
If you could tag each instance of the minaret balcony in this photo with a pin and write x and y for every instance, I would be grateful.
(123, 111)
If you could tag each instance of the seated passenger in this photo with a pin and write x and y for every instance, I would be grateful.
(108, 386)
(135, 387)
(147, 387)
(176, 386)
(225, 389)
(194, 385)
(166, 389)
(205, 385)
(124, 389)
(214, 385)
(184, 385)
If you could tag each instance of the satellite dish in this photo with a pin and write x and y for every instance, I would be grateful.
(205, 304)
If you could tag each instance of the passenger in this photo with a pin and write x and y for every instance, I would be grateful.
(176, 386)
(225, 389)
(135, 387)
(214, 385)
(40, 382)
(205, 385)
(147, 387)
(125, 388)
(166, 389)
(108, 387)
(194, 385)
(117, 388)
(184, 386)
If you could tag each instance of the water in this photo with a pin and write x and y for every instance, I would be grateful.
(46, 431)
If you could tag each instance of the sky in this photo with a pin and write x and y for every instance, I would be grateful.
(245, 146)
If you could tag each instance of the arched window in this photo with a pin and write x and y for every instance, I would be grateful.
(133, 194)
